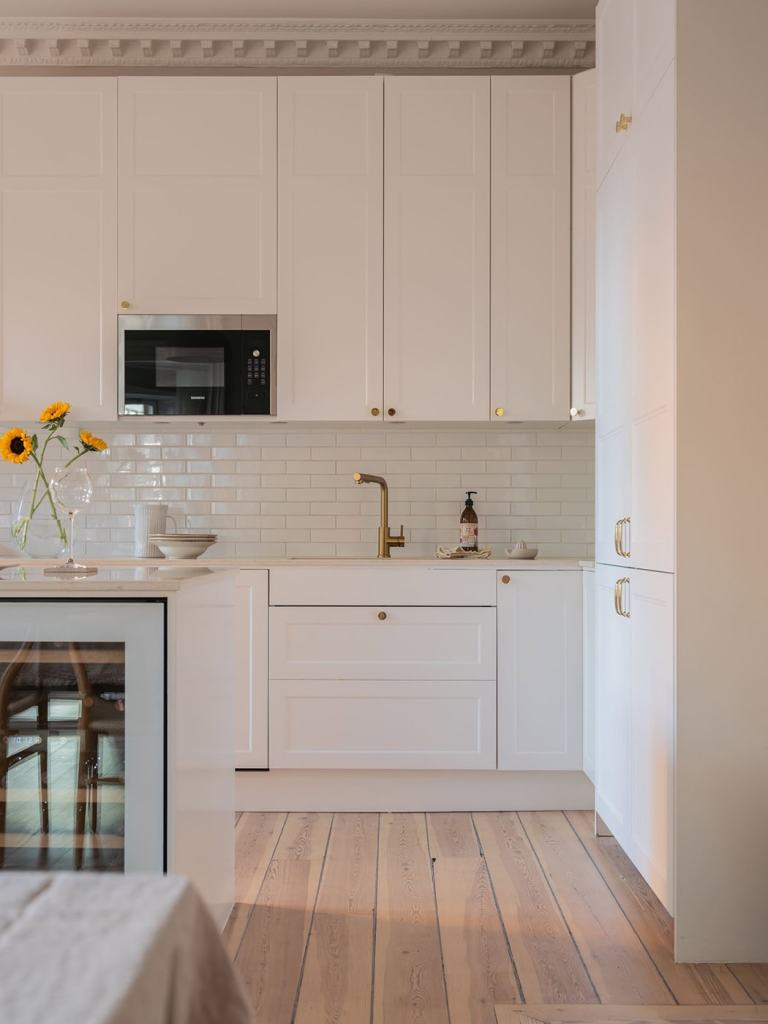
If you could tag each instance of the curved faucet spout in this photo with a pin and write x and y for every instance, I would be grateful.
(386, 539)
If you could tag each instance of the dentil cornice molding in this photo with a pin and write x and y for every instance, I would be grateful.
(295, 43)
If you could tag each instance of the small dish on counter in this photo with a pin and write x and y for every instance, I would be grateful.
(521, 550)
(182, 545)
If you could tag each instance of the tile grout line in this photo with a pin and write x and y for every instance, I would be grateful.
(557, 904)
(518, 982)
(437, 915)
(374, 923)
(295, 1009)
(266, 872)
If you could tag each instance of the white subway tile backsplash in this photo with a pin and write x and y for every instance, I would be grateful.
(273, 492)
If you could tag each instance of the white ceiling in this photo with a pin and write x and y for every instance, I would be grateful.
(398, 9)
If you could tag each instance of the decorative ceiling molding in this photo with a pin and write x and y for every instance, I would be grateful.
(295, 43)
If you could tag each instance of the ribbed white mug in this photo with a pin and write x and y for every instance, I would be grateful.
(148, 517)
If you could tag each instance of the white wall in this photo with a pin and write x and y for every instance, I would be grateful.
(279, 489)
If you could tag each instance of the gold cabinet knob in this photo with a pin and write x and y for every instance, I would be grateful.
(375, 411)
(382, 615)
(498, 411)
(125, 305)
(505, 579)
(625, 120)
(391, 412)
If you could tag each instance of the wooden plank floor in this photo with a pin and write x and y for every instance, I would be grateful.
(459, 919)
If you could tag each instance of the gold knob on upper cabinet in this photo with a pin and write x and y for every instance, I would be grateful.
(391, 412)
(125, 305)
(505, 579)
(498, 412)
(382, 615)
(625, 120)
(375, 411)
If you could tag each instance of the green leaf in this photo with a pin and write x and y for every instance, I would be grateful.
(34, 442)
(62, 441)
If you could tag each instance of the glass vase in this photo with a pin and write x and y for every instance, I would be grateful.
(37, 527)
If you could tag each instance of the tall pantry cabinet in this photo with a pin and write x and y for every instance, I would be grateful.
(681, 754)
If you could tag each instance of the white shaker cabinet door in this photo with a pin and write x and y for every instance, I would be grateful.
(583, 247)
(613, 429)
(653, 349)
(539, 632)
(650, 602)
(613, 704)
(615, 90)
(252, 670)
(530, 248)
(58, 238)
(330, 252)
(436, 248)
(197, 206)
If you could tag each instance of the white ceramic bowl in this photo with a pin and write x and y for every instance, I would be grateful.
(521, 552)
(182, 545)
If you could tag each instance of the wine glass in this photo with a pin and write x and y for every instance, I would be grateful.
(72, 490)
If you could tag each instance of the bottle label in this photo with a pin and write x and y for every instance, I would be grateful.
(468, 536)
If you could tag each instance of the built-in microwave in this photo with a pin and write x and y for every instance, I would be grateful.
(196, 366)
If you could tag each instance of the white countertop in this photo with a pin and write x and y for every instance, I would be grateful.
(134, 579)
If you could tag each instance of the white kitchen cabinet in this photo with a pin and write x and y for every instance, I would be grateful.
(58, 235)
(588, 672)
(613, 428)
(436, 248)
(197, 208)
(652, 346)
(530, 247)
(615, 25)
(539, 670)
(390, 724)
(583, 188)
(655, 24)
(382, 643)
(635, 717)
(382, 585)
(330, 252)
(613, 696)
(252, 670)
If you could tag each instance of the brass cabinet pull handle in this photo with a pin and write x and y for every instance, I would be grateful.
(625, 120)
(391, 412)
(125, 305)
(505, 579)
(618, 536)
(498, 411)
(616, 541)
(375, 411)
(616, 589)
(618, 597)
(382, 615)
(626, 551)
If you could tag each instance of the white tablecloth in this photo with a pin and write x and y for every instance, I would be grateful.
(109, 949)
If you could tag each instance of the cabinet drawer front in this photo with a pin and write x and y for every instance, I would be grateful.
(382, 643)
(382, 585)
(375, 724)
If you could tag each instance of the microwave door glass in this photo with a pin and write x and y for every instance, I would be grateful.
(196, 375)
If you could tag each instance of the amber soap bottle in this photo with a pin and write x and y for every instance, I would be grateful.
(468, 525)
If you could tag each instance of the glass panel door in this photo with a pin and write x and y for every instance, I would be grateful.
(82, 696)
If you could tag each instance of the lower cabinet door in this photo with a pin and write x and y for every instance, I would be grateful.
(613, 694)
(252, 682)
(539, 630)
(369, 723)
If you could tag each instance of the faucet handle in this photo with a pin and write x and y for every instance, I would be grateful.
(401, 536)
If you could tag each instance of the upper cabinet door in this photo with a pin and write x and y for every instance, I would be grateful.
(583, 247)
(436, 251)
(330, 293)
(530, 248)
(197, 195)
(655, 40)
(615, 91)
(58, 238)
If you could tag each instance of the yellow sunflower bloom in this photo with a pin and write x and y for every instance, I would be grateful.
(15, 445)
(93, 443)
(54, 411)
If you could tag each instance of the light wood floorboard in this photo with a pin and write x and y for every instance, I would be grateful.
(689, 983)
(336, 984)
(479, 971)
(458, 918)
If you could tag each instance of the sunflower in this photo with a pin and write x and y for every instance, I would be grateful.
(92, 443)
(15, 445)
(54, 411)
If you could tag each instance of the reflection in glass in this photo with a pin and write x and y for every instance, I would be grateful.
(62, 756)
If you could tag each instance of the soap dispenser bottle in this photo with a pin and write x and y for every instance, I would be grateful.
(468, 525)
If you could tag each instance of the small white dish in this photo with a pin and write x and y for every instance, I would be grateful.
(521, 550)
(182, 545)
